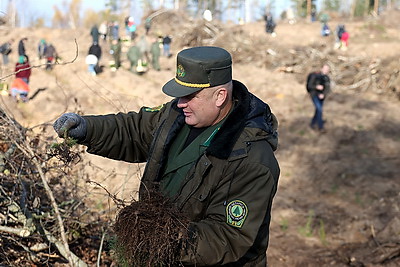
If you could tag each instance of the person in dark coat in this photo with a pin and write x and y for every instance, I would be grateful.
(51, 56)
(210, 151)
(167, 46)
(94, 32)
(21, 47)
(95, 50)
(269, 23)
(318, 86)
(5, 50)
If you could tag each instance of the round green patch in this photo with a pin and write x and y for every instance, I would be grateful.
(236, 213)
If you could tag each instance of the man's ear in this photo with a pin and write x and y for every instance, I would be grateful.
(221, 96)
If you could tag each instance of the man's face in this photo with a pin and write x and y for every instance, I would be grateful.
(325, 69)
(200, 108)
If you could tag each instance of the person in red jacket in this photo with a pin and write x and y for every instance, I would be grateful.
(344, 40)
(23, 69)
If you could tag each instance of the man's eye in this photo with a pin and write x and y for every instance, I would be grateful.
(189, 97)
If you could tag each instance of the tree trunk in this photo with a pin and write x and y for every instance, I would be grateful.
(366, 7)
(376, 7)
(309, 2)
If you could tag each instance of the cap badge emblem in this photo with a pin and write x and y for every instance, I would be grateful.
(180, 71)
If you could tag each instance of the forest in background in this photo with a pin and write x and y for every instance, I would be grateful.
(69, 14)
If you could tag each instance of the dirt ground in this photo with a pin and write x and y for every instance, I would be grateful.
(338, 201)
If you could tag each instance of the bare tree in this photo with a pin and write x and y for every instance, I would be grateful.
(376, 7)
(309, 3)
(12, 14)
(58, 19)
(74, 13)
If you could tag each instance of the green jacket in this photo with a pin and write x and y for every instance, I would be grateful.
(133, 54)
(229, 192)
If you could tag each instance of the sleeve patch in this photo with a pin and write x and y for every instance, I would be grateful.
(236, 213)
(154, 109)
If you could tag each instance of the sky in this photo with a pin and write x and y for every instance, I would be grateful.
(30, 10)
(33, 9)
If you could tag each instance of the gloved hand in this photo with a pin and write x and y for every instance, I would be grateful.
(72, 124)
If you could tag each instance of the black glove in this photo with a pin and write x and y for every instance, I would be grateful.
(72, 124)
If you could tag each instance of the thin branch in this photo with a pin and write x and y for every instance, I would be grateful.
(100, 249)
(22, 232)
(117, 201)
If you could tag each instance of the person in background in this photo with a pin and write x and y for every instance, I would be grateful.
(93, 59)
(133, 56)
(41, 48)
(23, 69)
(210, 151)
(115, 51)
(270, 24)
(19, 88)
(313, 15)
(318, 86)
(167, 46)
(155, 53)
(340, 29)
(114, 31)
(147, 25)
(21, 47)
(131, 28)
(344, 40)
(5, 50)
(325, 31)
(144, 48)
(103, 30)
(51, 56)
(94, 32)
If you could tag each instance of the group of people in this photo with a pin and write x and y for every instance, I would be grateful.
(341, 34)
(110, 30)
(143, 52)
(19, 87)
(48, 52)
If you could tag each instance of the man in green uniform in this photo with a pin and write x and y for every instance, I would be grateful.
(211, 149)
(133, 56)
(155, 52)
(115, 51)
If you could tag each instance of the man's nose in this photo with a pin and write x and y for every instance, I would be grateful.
(182, 102)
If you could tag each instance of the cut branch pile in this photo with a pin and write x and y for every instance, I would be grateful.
(43, 219)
